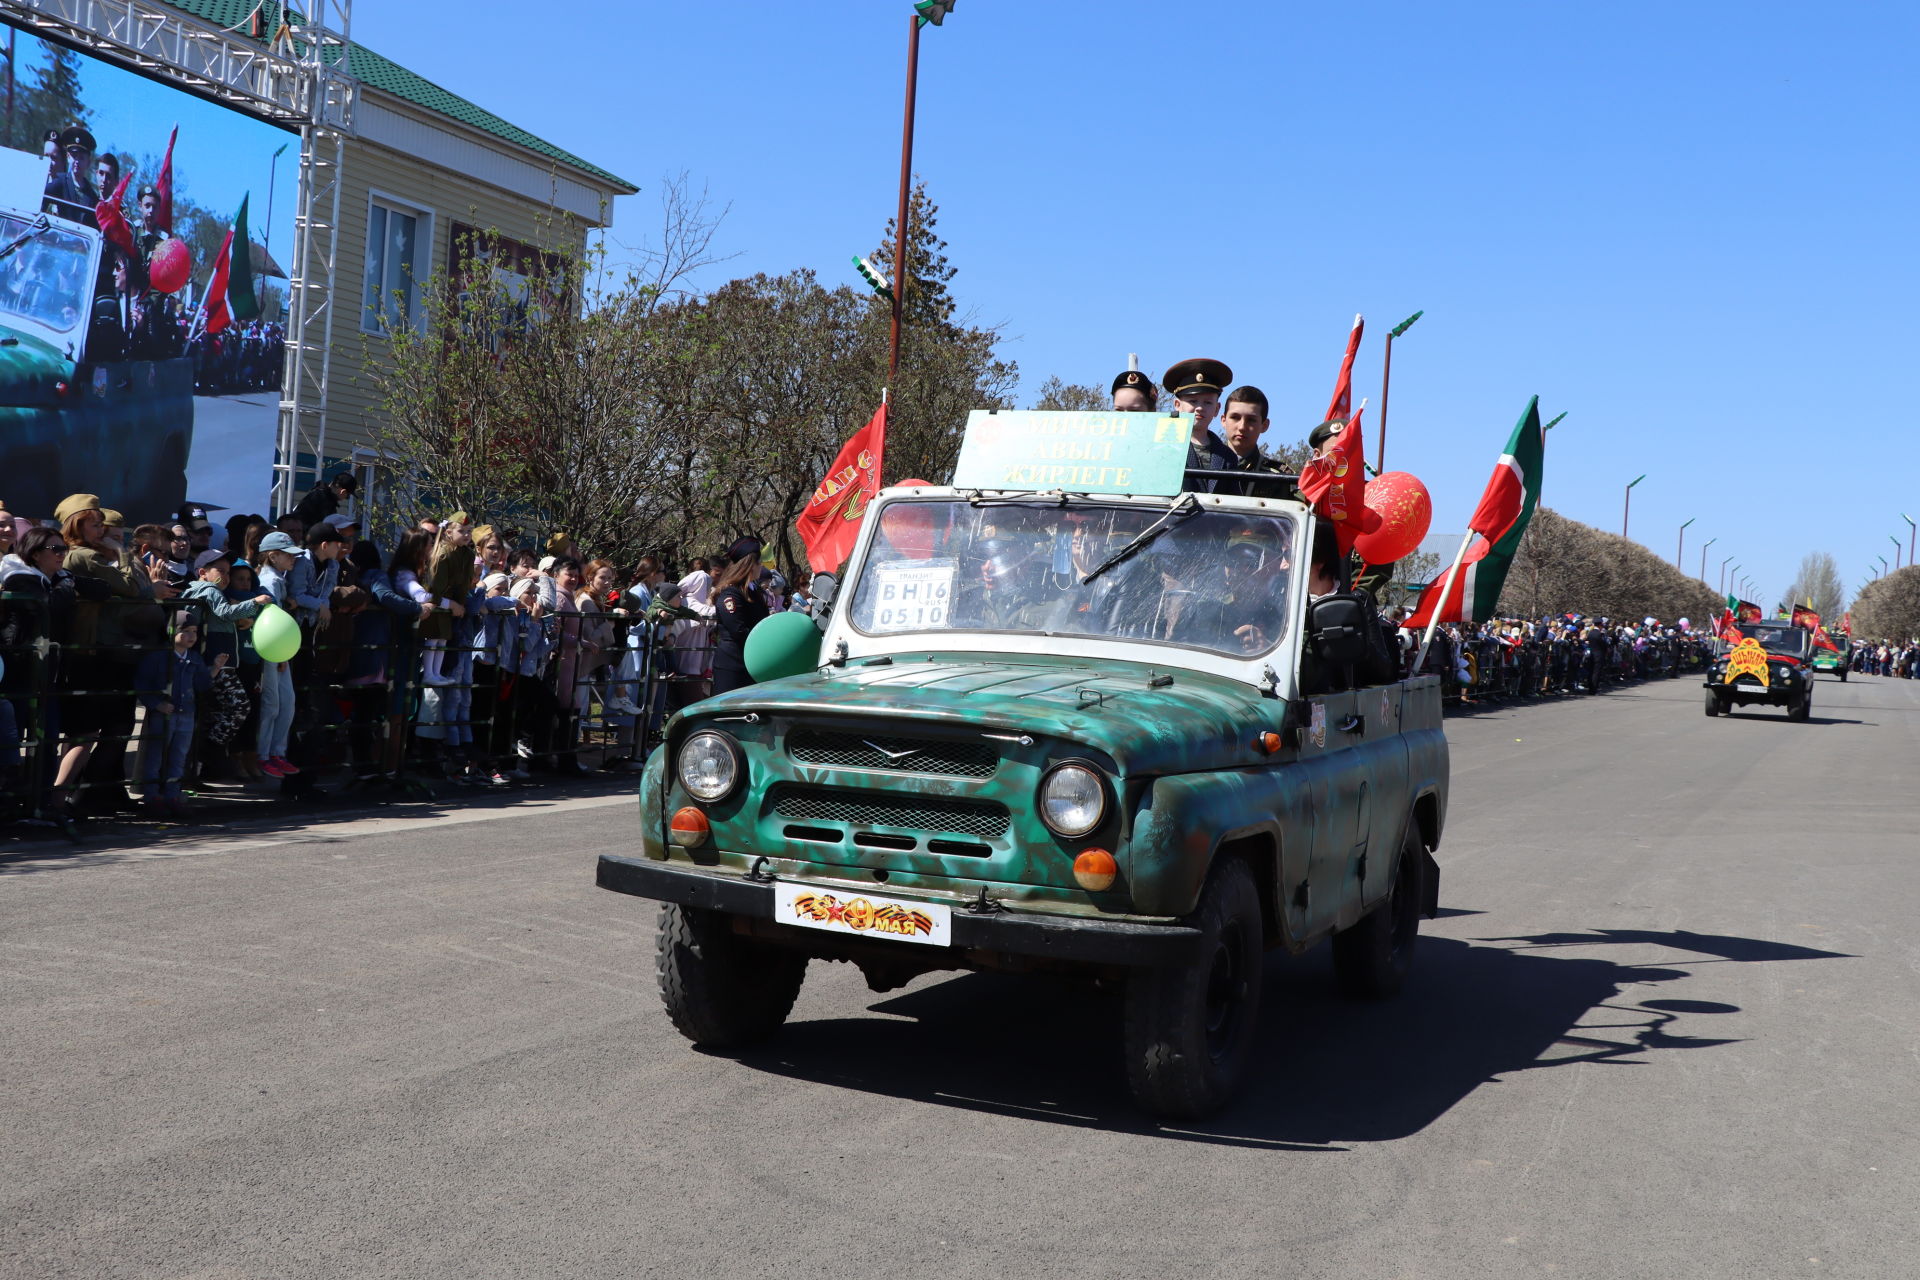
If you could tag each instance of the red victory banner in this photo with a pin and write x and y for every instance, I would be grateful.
(1341, 406)
(1336, 485)
(832, 517)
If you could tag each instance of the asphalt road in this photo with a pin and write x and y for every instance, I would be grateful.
(1668, 1026)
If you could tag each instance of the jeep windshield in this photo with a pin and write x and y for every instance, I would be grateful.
(43, 274)
(1791, 642)
(1215, 580)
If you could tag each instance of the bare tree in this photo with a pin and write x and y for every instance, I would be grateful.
(1818, 580)
(1888, 608)
(1058, 395)
(1565, 566)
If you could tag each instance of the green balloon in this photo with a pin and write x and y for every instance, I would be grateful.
(786, 644)
(276, 636)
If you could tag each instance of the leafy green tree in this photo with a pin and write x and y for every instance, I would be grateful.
(1888, 608)
(44, 96)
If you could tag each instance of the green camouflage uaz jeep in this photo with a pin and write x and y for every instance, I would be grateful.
(1053, 731)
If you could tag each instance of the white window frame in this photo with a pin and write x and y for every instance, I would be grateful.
(422, 256)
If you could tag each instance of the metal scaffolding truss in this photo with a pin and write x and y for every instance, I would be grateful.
(165, 42)
(301, 78)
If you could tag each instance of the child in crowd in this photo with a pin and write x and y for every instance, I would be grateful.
(170, 683)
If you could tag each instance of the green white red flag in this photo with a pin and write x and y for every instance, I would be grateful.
(1472, 593)
(229, 295)
(831, 520)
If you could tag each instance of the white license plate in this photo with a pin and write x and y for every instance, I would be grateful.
(863, 915)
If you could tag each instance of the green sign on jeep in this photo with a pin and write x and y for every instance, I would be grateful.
(1053, 731)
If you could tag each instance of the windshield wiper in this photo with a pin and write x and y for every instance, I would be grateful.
(38, 227)
(1187, 506)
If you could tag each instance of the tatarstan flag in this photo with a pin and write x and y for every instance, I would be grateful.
(1501, 520)
(230, 291)
(831, 521)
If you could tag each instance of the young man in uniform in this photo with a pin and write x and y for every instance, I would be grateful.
(1243, 423)
(1196, 386)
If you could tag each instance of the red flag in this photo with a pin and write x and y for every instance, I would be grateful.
(1749, 612)
(1806, 618)
(1336, 485)
(832, 517)
(113, 222)
(1726, 630)
(1341, 406)
(1846, 622)
(214, 302)
(1821, 640)
(163, 190)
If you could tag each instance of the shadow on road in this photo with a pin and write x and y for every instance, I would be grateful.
(1331, 1070)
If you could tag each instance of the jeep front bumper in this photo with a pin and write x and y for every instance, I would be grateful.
(1020, 933)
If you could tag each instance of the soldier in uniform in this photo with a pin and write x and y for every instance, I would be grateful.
(1367, 578)
(71, 181)
(151, 237)
(1243, 423)
(1196, 386)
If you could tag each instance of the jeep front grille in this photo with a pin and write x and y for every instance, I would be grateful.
(945, 757)
(977, 818)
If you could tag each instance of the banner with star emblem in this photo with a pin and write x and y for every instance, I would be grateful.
(831, 521)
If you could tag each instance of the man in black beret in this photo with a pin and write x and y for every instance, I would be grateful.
(1196, 386)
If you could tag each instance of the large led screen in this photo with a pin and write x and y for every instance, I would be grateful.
(142, 301)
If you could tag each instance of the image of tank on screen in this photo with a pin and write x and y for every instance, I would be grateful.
(142, 308)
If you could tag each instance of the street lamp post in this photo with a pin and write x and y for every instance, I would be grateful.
(1681, 548)
(1703, 559)
(1627, 509)
(934, 11)
(1723, 575)
(1386, 381)
(1910, 532)
(1896, 550)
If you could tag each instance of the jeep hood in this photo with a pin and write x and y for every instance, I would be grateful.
(1194, 722)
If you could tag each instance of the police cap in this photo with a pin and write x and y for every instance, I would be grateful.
(1135, 379)
(75, 136)
(1198, 374)
(1325, 432)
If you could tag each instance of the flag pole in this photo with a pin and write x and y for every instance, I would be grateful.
(1446, 589)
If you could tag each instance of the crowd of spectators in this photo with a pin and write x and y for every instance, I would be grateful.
(457, 651)
(1888, 658)
(1506, 659)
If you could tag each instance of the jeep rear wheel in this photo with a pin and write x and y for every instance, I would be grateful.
(1373, 956)
(721, 989)
(1190, 1028)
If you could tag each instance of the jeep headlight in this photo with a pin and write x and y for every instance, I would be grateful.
(710, 766)
(1073, 799)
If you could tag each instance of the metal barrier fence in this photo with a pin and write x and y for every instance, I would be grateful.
(94, 700)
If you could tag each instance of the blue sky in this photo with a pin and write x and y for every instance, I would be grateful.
(1689, 225)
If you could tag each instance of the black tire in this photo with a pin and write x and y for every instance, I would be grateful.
(1373, 956)
(722, 990)
(1803, 709)
(1843, 677)
(1190, 1029)
(1713, 703)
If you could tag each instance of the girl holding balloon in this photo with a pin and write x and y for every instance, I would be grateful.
(276, 638)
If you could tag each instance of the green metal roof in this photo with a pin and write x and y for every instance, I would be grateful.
(390, 77)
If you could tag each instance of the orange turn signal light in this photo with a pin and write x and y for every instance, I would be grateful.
(689, 828)
(1095, 870)
(1267, 743)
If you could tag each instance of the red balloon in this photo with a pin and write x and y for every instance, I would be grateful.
(910, 484)
(1405, 510)
(170, 266)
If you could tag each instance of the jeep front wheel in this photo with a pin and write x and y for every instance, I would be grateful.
(1373, 956)
(1713, 703)
(722, 990)
(1190, 1028)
